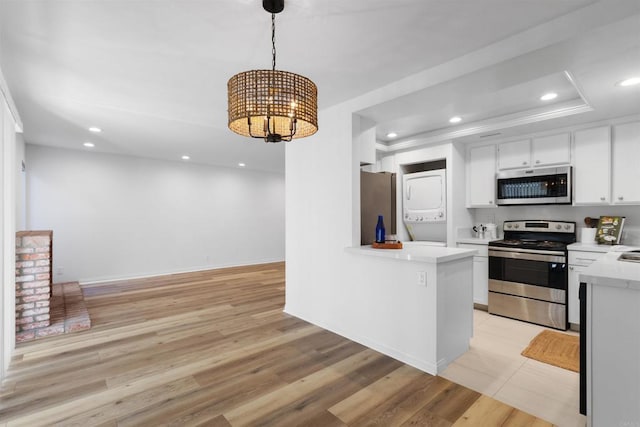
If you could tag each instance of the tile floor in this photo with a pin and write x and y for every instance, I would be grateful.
(493, 366)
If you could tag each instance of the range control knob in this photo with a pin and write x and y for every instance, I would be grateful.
(516, 225)
(558, 226)
(440, 214)
(508, 225)
(567, 226)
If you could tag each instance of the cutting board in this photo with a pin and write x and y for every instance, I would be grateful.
(396, 245)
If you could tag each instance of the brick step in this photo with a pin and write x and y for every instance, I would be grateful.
(68, 313)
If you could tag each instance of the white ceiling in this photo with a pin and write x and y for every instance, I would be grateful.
(153, 73)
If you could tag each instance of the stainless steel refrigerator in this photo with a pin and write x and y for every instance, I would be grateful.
(377, 197)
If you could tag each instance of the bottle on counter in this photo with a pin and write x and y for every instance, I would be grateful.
(380, 232)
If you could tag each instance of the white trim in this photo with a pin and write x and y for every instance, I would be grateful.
(568, 108)
(4, 89)
(96, 282)
(576, 86)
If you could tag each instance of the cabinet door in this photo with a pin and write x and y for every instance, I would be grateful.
(481, 280)
(574, 286)
(513, 155)
(626, 170)
(481, 177)
(592, 166)
(551, 150)
(367, 146)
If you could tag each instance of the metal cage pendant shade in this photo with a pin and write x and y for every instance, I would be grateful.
(273, 105)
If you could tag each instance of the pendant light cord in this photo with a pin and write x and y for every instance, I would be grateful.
(273, 40)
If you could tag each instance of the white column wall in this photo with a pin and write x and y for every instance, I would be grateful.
(7, 236)
(116, 216)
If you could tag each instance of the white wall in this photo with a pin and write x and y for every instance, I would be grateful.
(325, 284)
(116, 216)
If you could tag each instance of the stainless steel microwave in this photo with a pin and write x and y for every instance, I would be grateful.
(548, 186)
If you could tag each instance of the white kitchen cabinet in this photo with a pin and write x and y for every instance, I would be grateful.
(573, 288)
(513, 155)
(578, 263)
(592, 166)
(539, 152)
(551, 150)
(481, 177)
(480, 272)
(625, 167)
(367, 146)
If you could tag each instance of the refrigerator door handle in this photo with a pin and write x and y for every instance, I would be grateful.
(409, 192)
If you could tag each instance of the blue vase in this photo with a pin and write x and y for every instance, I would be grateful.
(380, 234)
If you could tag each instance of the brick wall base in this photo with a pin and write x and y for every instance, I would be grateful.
(33, 279)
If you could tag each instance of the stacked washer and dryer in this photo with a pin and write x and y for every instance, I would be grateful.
(424, 207)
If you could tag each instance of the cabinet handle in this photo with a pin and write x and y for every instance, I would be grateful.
(490, 202)
(602, 198)
(620, 197)
(524, 163)
(571, 268)
(537, 162)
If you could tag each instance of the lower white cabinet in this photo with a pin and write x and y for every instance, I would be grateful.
(480, 272)
(574, 287)
(578, 263)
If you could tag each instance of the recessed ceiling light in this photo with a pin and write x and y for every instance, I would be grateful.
(455, 119)
(185, 157)
(392, 135)
(241, 164)
(630, 82)
(89, 144)
(95, 129)
(549, 96)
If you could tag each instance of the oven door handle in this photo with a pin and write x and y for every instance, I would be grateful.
(526, 256)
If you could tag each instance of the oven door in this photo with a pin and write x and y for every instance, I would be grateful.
(529, 285)
(545, 269)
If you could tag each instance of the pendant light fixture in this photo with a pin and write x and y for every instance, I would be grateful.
(271, 104)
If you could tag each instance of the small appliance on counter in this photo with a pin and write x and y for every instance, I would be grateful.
(485, 231)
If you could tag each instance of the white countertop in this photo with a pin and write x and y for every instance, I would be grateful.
(608, 271)
(593, 247)
(474, 240)
(429, 254)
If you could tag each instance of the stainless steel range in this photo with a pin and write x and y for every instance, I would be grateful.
(528, 272)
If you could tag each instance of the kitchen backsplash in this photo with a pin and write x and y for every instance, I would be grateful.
(631, 232)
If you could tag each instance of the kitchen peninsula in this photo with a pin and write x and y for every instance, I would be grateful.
(413, 304)
(612, 340)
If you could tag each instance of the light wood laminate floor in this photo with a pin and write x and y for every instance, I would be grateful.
(214, 348)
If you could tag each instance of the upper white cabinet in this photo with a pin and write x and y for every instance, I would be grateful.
(625, 167)
(481, 177)
(592, 166)
(551, 150)
(537, 152)
(366, 141)
(513, 155)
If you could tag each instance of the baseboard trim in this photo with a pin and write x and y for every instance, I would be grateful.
(89, 283)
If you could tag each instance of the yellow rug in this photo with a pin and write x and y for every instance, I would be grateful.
(556, 349)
